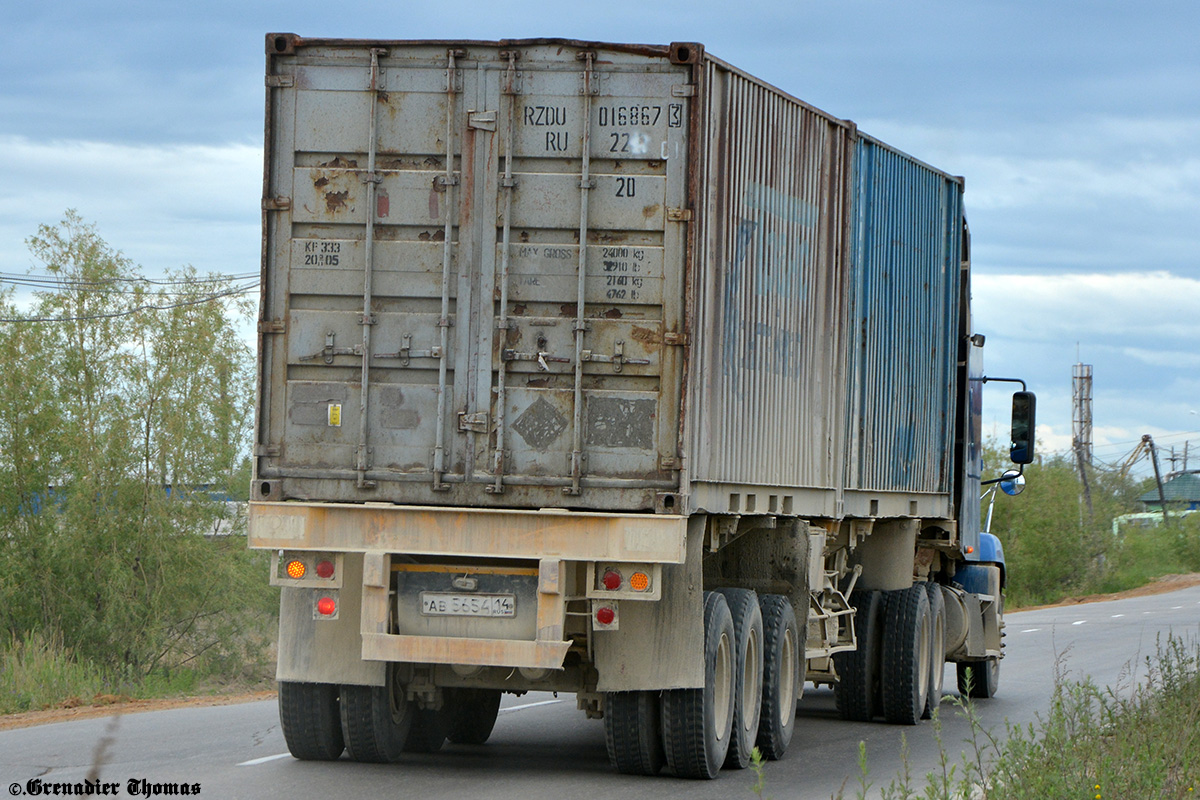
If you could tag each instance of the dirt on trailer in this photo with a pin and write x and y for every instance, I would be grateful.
(110, 705)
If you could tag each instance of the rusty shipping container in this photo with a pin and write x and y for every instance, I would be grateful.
(613, 370)
(538, 274)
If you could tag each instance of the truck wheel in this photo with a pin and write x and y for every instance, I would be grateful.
(857, 691)
(427, 733)
(906, 651)
(633, 732)
(376, 721)
(308, 715)
(470, 714)
(697, 723)
(748, 671)
(782, 675)
(984, 679)
(937, 652)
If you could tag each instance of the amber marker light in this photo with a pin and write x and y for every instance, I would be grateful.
(326, 606)
(639, 581)
(296, 569)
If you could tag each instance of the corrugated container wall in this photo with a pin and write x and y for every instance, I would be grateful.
(547, 273)
(769, 403)
(904, 323)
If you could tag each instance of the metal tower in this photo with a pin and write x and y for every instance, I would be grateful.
(1081, 414)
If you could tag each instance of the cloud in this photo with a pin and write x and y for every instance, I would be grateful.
(163, 206)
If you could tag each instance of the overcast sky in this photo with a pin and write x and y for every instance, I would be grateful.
(1076, 125)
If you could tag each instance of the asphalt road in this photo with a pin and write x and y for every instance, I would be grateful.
(543, 747)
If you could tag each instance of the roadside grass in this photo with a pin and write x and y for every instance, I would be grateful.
(39, 672)
(1133, 742)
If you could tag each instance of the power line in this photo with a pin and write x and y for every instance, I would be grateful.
(129, 312)
(52, 281)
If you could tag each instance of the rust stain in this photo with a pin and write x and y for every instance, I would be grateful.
(336, 201)
(650, 211)
(613, 313)
(341, 163)
(518, 310)
(538, 383)
(647, 336)
(321, 182)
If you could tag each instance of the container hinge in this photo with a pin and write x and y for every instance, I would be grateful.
(272, 326)
(277, 203)
(670, 462)
(679, 214)
(683, 90)
(267, 450)
(673, 339)
(367, 319)
(280, 81)
(443, 181)
(476, 423)
(481, 120)
(508, 183)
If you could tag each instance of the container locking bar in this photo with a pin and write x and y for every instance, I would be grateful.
(585, 185)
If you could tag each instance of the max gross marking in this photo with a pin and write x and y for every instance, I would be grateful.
(134, 787)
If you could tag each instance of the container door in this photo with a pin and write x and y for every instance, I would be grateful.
(583, 378)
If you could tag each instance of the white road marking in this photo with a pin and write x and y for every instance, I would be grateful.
(1176, 608)
(256, 761)
(1031, 630)
(1079, 622)
(530, 705)
(1117, 616)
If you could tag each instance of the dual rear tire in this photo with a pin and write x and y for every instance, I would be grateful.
(378, 723)
(753, 674)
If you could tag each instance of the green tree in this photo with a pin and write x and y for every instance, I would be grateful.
(125, 410)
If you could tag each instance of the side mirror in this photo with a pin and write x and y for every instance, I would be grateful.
(1024, 427)
(1012, 483)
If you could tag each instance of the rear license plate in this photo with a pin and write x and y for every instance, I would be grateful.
(446, 604)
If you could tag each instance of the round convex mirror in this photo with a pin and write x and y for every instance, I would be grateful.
(1012, 482)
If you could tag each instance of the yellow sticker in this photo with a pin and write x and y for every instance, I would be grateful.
(335, 415)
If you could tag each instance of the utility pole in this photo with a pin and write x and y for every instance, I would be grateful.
(1081, 426)
(1162, 498)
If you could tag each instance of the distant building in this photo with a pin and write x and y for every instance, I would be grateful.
(1182, 493)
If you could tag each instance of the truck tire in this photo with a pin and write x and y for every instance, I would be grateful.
(427, 733)
(783, 670)
(633, 732)
(748, 672)
(376, 721)
(470, 714)
(937, 653)
(856, 693)
(697, 723)
(312, 726)
(905, 658)
(983, 681)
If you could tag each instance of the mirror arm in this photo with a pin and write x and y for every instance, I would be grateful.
(1020, 472)
(985, 379)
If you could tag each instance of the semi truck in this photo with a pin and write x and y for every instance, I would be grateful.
(609, 369)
